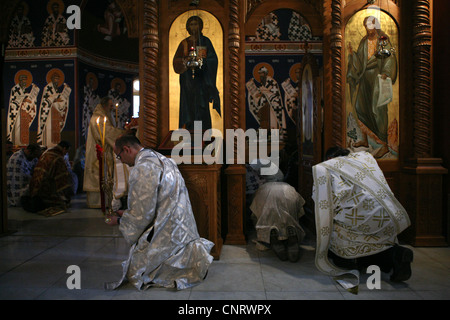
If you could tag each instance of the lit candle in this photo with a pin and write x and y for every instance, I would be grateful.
(98, 126)
(104, 128)
(117, 108)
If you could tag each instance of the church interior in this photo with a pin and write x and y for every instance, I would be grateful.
(297, 50)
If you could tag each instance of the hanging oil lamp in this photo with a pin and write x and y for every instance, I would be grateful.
(193, 61)
(382, 51)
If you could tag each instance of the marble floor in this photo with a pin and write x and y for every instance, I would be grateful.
(34, 261)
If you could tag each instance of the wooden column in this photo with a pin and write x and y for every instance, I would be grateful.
(235, 119)
(235, 175)
(336, 65)
(149, 71)
(423, 202)
(422, 195)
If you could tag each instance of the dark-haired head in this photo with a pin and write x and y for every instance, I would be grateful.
(64, 144)
(336, 151)
(34, 147)
(105, 100)
(127, 140)
(33, 150)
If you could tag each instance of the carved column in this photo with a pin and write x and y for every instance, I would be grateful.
(423, 190)
(149, 73)
(336, 61)
(235, 173)
(422, 80)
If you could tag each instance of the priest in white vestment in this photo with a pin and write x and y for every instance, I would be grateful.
(159, 224)
(277, 207)
(358, 218)
(91, 183)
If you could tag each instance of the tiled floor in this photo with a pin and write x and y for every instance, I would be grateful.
(34, 262)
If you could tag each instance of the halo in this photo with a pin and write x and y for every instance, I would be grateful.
(259, 66)
(185, 16)
(123, 86)
(50, 4)
(292, 74)
(22, 73)
(25, 6)
(60, 74)
(92, 76)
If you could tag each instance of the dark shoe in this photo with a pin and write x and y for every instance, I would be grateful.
(278, 246)
(292, 245)
(402, 259)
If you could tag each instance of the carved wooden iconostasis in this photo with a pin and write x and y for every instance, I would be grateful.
(390, 115)
(216, 190)
(243, 41)
(306, 51)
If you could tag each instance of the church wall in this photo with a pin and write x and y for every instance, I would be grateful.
(33, 48)
(74, 54)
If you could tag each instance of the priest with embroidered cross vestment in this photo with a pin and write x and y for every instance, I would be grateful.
(358, 219)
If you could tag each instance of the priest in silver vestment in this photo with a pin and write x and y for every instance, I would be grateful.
(277, 207)
(358, 219)
(166, 249)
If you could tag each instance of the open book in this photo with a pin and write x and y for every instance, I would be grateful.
(385, 93)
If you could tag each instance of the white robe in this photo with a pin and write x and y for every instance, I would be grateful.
(166, 249)
(277, 205)
(356, 212)
(21, 100)
(54, 102)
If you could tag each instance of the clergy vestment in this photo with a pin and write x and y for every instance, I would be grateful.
(357, 214)
(18, 175)
(91, 183)
(166, 249)
(53, 113)
(277, 205)
(22, 111)
(267, 94)
(51, 181)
